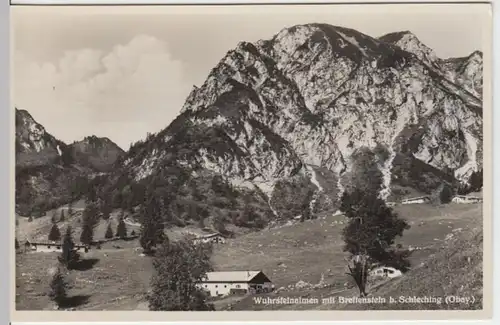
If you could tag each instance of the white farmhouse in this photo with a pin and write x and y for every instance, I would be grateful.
(236, 282)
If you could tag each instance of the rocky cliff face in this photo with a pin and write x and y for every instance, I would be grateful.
(466, 72)
(34, 145)
(312, 95)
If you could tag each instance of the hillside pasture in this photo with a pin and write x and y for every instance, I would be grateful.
(295, 257)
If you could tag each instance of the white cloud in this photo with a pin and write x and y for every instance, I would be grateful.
(137, 86)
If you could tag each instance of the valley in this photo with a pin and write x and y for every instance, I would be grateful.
(302, 259)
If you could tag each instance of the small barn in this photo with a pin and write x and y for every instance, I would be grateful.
(466, 199)
(236, 282)
(50, 247)
(416, 200)
(215, 238)
(385, 272)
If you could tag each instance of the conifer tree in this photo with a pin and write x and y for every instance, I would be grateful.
(53, 219)
(54, 234)
(70, 209)
(306, 206)
(152, 227)
(68, 256)
(58, 288)
(121, 229)
(109, 232)
(90, 221)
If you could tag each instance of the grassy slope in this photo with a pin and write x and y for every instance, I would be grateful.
(304, 252)
(456, 269)
(430, 226)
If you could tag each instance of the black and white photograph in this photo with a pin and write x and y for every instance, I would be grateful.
(251, 158)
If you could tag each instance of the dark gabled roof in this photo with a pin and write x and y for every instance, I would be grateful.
(209, 235)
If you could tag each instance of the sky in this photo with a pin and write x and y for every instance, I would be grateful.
(124, 72)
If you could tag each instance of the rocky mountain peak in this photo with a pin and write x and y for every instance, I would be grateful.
(99, 153)
(32, 135)
(97, 141)
(34, 145)
(409, 42)
(311, 95)
(476, 55)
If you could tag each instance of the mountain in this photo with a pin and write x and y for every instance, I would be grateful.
(466, 72)
(409, 42)
(34, 145)
(50, 172)
(279, 119)
(96, 153)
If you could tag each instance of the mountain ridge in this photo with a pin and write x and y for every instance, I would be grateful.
(49, 171)
(281, 110)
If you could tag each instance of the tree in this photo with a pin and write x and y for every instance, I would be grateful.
(109, 232)
(178, 268)
(372, 226)
(70, 209)
(16, 244)
(152, 226)
(121, 229)
(90, 221)
(68, 255)
(446, 194)
(58, 288)
(476, 181)
(370, 233)
(306, 206)
(87, 234)
(105, 205)
(54, 234)
(62, 217)
(53, 219)
(246, 215)
(197, 195)
(106, 215)
(365, 173)
(219, 224)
